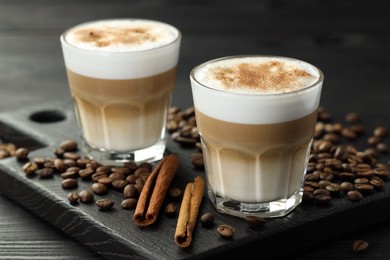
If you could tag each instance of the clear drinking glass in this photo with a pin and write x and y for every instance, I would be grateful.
(256, 117)
(121, 74)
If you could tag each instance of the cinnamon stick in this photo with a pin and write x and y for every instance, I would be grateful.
(188, 214)
(154, 191)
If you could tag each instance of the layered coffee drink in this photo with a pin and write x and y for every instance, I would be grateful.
(121, 74)
(256, 117)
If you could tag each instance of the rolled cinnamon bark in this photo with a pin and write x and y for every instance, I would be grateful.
(189, 210)
(154, 191)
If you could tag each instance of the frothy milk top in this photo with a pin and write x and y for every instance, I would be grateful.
(121, 48)
(257, 75)
(121, 35)
(256, 89)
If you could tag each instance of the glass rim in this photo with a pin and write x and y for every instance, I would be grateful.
(318, 81)
(173, 28)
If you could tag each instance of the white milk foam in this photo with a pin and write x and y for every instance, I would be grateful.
(219, 92)
(121, 48)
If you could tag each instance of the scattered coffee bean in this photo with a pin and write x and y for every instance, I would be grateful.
(197, 161)
(175, 193)
(226, 231)
(207, 219)
(129, 203)
(359, 246)
(170, 210)
(29, 168)
(73, 197)
(354, 195)
(99, 188)
(86, 196)
(105, 204)
(21, 153)
(69, 183)
(69, 145)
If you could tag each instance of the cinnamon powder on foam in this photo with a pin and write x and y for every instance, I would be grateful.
(269, 77)
(114, 36)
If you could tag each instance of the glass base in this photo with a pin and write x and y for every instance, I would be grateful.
(107, 157)
(270, 209)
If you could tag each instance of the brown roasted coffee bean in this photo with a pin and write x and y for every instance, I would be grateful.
(322, 199)
(59, 165)
(105, 180)
(99, 188)
(207, 219)
(383, 148)
(105, 204)
(73, 197)
(86, 196)
(21, 153)
(359, 246)
(346, 186)
(354, 195)
(307, 196)
(197, 160)
(377, 183)
(130, 191)
(255, 221)
(69, 183)
(72, 155)
(118, 184)
(45, 172)
(86, 173)
(175, 193)
(131, 179)
(352, 117)
(29, 168)
(170, 210)
(69, 145)
(226, 231)
(381, 131)
(129, 203)
(364, 188)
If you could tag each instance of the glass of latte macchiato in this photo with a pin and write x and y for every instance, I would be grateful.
(256, 117)
(121, 74)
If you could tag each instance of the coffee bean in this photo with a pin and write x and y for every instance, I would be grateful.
(73, 197)
(226, 231)
(129, 203)
(381, 131)
(130, 191)
(354, 195)
(29, 168)
(352, 117)
(69, 183)
(86, 196)
(21, 153)
(197, 161)
(170, 210)
(45, 172)
(175, 193)
(359, 246)
(105, 204)
(255, 221)
(99, 188)
(69, 145)
(119, 185)
(207, 219)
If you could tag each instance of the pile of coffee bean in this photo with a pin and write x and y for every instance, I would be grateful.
(68, 163)
(336, 167)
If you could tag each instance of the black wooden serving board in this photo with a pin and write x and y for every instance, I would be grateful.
(114, 235)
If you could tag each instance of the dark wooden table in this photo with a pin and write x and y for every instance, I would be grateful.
(349, 40)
